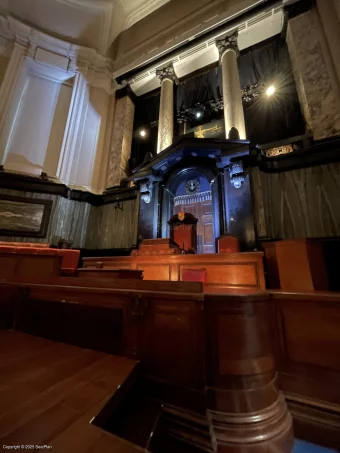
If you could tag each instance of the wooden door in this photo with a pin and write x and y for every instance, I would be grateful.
(205, 235)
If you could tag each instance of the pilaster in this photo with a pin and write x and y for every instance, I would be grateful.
(314, 75)
(71, 146)
(7, 89)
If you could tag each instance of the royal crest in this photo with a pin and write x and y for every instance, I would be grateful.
(181, 216)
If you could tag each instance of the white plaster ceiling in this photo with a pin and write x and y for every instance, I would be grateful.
(92, 23)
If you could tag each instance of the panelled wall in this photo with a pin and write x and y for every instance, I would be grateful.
(84, 225)
(112, 225)
(297, 203)
(54, 112)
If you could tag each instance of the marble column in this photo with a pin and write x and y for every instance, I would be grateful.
(232, 98)
(120, 151)
(167, 77)
(314, 74)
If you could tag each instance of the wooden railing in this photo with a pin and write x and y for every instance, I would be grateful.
(219, 347)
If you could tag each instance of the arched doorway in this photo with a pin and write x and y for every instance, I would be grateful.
(194, 190)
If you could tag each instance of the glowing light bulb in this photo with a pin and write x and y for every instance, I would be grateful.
(270, 90)
(142, 133)
(198, 115)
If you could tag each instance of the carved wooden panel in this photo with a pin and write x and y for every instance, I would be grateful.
(207, 208)
(311, 336)
(307, 340)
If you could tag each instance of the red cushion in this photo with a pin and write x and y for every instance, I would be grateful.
(194, 275)
(27, 250)
(7, 249)
(70, 258)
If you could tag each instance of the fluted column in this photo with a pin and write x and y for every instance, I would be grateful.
(233, 107)
(167, 77)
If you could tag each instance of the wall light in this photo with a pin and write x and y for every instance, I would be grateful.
(142, 133)
(270, 90)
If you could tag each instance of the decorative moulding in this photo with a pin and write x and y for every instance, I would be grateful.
(105, 9)
(144, 10)
(6, 47)
(78, 57)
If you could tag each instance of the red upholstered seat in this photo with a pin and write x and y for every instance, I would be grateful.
(27, 250)
(70, 260)
(194, 275)
(7, 249)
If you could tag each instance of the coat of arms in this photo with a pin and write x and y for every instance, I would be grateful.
(181, 216)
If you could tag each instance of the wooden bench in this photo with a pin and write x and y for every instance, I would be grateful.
(26, 267)
(110, 273)
(240, 271)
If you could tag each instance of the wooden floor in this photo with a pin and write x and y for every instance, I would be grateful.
(49, 393)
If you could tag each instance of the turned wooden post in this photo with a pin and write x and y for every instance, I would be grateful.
(246, 411)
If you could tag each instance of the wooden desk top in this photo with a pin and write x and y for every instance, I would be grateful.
(49, 393)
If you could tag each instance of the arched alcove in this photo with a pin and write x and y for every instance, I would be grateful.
(194, 190)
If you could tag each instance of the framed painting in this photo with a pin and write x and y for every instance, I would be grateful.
(23, 216)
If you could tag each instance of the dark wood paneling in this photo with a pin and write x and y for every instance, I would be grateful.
(241, 375)
(307, 345)
(174, 342)
(110, 273)
(97, 328)
(29, 268)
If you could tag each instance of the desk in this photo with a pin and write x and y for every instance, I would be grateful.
(229, 270)
(110, 273)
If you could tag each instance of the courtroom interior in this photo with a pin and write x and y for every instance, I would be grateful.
(170, 226)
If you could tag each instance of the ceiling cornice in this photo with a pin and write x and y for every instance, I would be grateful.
(98, 68)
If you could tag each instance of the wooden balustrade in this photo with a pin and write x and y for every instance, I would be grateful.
(216, 345)
(233, 352)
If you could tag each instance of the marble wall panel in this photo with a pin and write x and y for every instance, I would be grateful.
(298, 203)
(121, 142)
(68, 219)
(112, 225)
(313, 75)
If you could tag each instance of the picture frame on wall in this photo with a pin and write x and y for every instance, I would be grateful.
(24, 216)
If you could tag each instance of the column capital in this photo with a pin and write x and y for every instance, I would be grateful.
(228, 43)
(167, 73)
